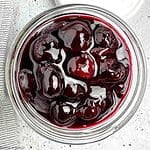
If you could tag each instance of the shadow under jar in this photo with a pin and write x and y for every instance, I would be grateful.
(76, 74)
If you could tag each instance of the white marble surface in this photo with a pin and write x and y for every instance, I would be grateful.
(135, 135)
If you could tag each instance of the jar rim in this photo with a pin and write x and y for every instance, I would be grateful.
(95, 133)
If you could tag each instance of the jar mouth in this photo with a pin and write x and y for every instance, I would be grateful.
(127, 108)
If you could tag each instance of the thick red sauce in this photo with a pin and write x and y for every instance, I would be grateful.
(75, 71)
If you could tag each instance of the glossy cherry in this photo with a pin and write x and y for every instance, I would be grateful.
(61, 113)
(89, 110)
(82, 66)
(105, 37)
(111, 72)
(76, 36)
(74, 91)
(46, 48)
(40, 104)
(27, 82)
(51, 81)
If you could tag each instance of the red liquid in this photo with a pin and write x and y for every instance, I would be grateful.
(75, 71)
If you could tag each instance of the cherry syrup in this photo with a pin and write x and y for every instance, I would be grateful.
(74, 70)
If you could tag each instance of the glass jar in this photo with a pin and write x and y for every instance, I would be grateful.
(127, 108)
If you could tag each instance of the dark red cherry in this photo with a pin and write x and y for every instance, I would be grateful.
(76, 35)
(40, 104)
(51, 81)
(102, 53)
(74, 91)
(104, 105)
(108, 102)
(97, 52)
(106, 65)
(119, 90)
(62, 114)
(81, 67)
(106, 60)
(90, 110)
(27, 82)
(47, 48)
(111, 72)
(105, 37)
